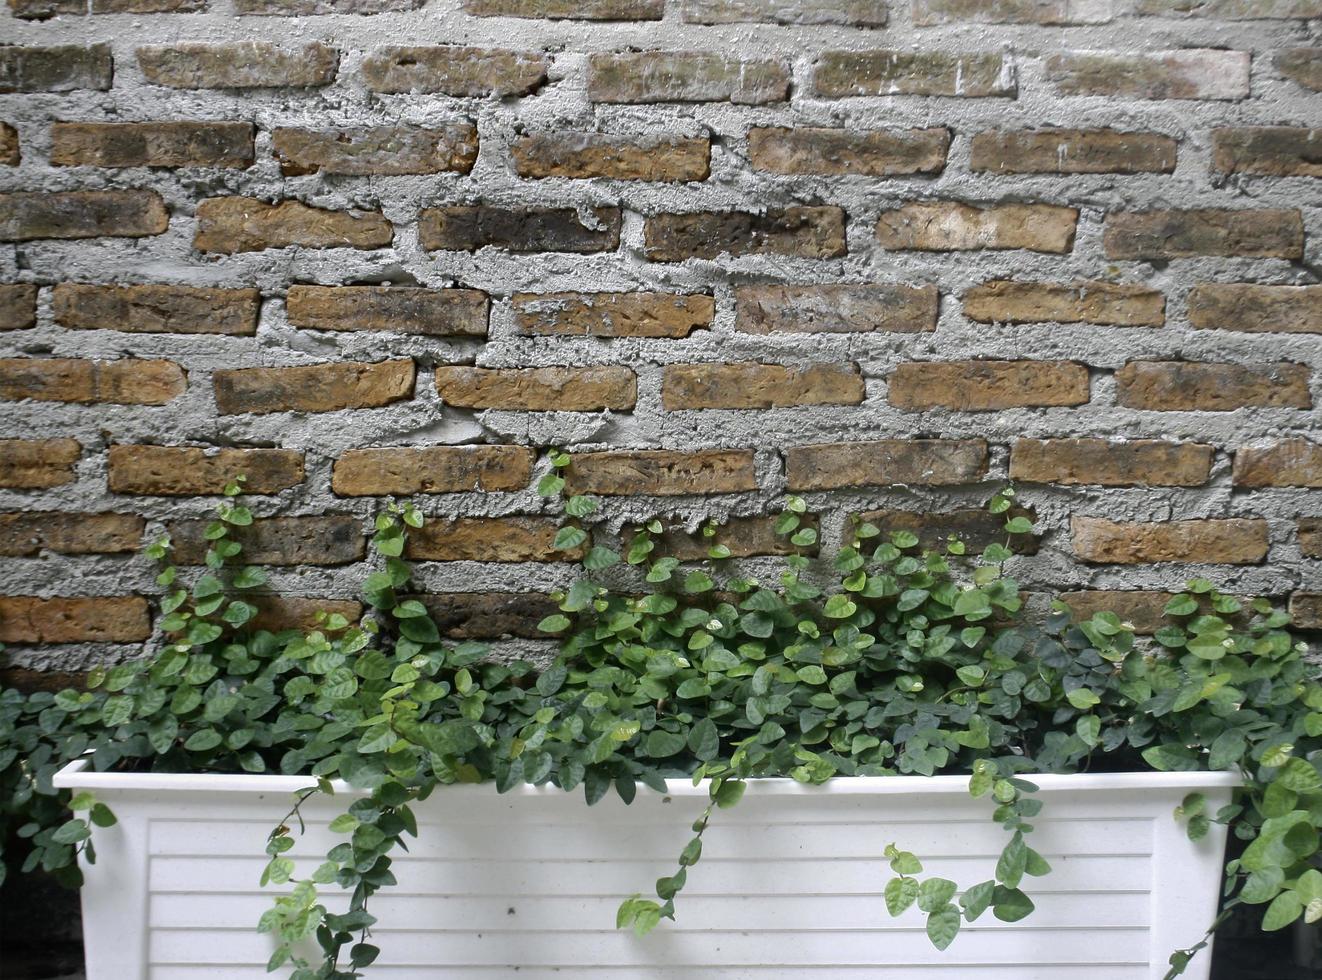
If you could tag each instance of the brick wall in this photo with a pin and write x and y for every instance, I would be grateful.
(886, 255)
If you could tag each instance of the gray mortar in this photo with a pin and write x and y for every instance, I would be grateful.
(562, 104)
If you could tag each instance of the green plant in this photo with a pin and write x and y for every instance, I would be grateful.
(888, 659)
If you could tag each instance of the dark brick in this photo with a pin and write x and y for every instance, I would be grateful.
(325, 539)
(156, 144)
(18, 306)
(808, 232)
(1256, 309)
(567, 9)
(31, 532)
(187, 471)
(58, 69)
(29, 215)
(975, 526)
(403, 309)
(584, 155)
(377, 150)
(325, 387)
(1190, 386)
(156, 309)
(1274, 151)
(857, 13)
(1072, 151)
(878, 153)
(1163, 235)
(468, 228)
(1303, 66)
(489, 615)
(454, 70)
(38, 464)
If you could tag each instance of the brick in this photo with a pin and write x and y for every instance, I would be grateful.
(886, 463)
(38, 464)
(661, 472)
(807, 232)
(128, 381)
(147, 6)
(1310, 536)
(1143, 610)
(1194, 73)
(1071, 151)
(585, 155)
(843, 308)
(25, 216)
(975, 526)
(280, 612)
(489, 615)
(541, 389)
(1256, 309)
(613, 314)
(81, 619)
(244, 224)
(467, 228)
(685, 76)
(454, 70)
(156, 309)
(1230, 541)
(155, 144)
(386, 150)
(1160, 235)
(327, 387)
(1102, 303)
(64, 68)
(1303, 66)
(53, 681)
(1099, 462)
(185, 471)
(856, 13)
(752, 385)
(987, 386)
(1274, 151)
(312, 8)
(948, 226)
(745, 537)
(242, 64)
(18, 306)
(432, 469)
(29, 533)
(1306, 610)
(567, 9)
(495, 539)
(875, 153)
(1289, 463)
(402, 309)
(1191, 386)
(326, 539)
(1232, 9)
(929, 13)
(841, 74)
(45, 9)
(9, 151)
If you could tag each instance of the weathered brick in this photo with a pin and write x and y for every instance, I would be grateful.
(79, 619)
(454, 70)
(1310, 536)
(567, 9)
(1099, 462)
(282, 612)
(45, 9)
(245, 224)
(467, 228)
(875, 153)
(326, 539)
(1143, 610)
(18, 306)
(432, 469)
(808, 232)
(147, 6)
(885, 463)
(156, 309)
(32, 532)
(540, 389)
(1163, 235)
(387, 150)
(744, 537)
(840, 74)
(843, 308)
(1256, 309)
(1232, 9)
(975, 526)
(28, 680)
(928, 13)
(29, 215)
(1275, 151)
(9, 151)
(986, 386)
(583, 155)
(312, 8)
(613, 314)
(38, 464)
(402, 309)
(128, 381)
(154, 144)
(857, 13)
(1303, 66)
(241, 64)
(1194, 73)
(947, 226)
(1289, 463)
(1191, 386)
(496, 539)
(1104, 303)
(325, 387)
(752, 385)
(488, 615)
(661, 472)
(185, 471)
(1229, 541)
(1306, 610)
(65, 68)
(685, 76)
(1071, 151)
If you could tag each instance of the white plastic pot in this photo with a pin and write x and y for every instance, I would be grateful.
(789, 886)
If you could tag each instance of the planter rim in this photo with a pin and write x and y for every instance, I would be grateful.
(78, 775)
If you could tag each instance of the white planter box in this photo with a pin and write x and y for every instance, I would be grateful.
(790, 883)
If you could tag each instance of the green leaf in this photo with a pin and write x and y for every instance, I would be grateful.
(904, 862)
(203, 740)
(71, 832)
(943, 926)
(1300, 776)
(1284, 909)
(1010, 904)
(1013, 862)
(730, 793)
(1082, 698)
(976, 899)
(569, 538)
(662, 745)
(900, 893)
(935, 894)
(554, 624)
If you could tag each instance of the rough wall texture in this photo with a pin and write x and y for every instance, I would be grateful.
(885, 254)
